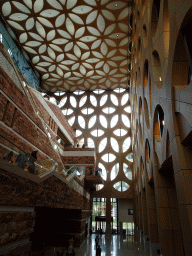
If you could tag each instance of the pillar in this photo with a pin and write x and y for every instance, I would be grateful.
(152, 220)
(169, 227)
(120, 228)
(145, 233)
(108, 216)
(182, 163)
(140, 226)
(144, 212)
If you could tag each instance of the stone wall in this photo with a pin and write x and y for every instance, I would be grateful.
(22, 192)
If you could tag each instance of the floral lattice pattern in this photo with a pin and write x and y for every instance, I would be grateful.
(74, 44)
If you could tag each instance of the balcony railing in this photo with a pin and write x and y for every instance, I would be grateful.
(15, 155)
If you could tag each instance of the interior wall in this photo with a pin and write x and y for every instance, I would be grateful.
(123, 206)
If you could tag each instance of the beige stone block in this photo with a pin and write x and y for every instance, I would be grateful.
(178, 243)
(178, 10)
(152, 216)
(187, 187)
(160, 181)
(164, 218)
(175, 218)
(179, 188)
(161, 197)
(185, 224)
(151, 201)
(186, 108)
(181, 156)
(153, 233)
(167, 243)
(172, 197)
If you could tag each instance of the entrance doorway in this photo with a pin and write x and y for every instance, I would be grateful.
(99, 215)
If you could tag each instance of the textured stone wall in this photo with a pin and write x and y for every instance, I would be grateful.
(17, 113)
(15, 226)
(52, 192)
(62, 119)
(78, 160)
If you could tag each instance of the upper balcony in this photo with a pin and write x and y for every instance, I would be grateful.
(85, 159)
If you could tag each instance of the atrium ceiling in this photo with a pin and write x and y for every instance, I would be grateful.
(75, 45)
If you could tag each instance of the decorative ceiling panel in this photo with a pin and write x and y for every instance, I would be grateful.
(73, 44)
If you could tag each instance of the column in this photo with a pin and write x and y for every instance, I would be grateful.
(145, 234)
(152, 219)
(167, 214)
(140, 226)
(144, 212)
(108, 216)
(182, 163)
(120, 228)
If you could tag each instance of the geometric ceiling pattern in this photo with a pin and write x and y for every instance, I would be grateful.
(74, 44)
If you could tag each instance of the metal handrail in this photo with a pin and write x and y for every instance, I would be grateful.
(17, 150)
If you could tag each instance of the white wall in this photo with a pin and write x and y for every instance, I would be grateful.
(124, 205)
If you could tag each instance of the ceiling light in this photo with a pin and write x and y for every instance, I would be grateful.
(18, 16)
(117, 35)
(116, 5)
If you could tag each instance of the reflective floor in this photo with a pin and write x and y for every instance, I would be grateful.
(112, 246)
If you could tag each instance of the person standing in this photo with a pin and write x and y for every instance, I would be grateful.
(98, 251)
(97, 241)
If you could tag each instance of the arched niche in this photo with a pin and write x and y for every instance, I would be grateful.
(150, 93)
(166, 26)
(140, 106)
(144, 35)
(147, 150)
(145, 73)
(157, 71)
(139, 77)
(143, 6)
(141, 165)
(138, 16)
(158, 123)
(182, 61)
(139, 49)
(155, 16)
(146, 111)
(141, 135)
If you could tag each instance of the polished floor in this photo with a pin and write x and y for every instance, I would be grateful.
(114, 245)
